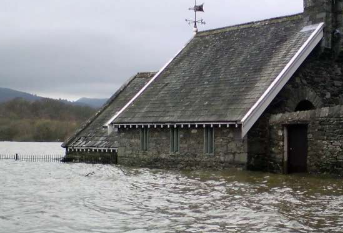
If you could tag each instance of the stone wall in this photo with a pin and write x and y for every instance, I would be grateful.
(91, 157)
(318, 80)
(325, 138)
(331, 13)
(317, 11)
(229, 149)
(258, 146)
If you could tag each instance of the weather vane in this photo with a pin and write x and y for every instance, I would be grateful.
(196, 8)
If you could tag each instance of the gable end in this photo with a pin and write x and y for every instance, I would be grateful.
(260, 106)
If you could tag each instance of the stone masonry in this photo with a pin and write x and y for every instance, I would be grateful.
(89, 156)
(325, 138)
(331, 13)
(229, 149)
(319, 80)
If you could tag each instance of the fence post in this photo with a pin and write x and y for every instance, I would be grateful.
(16, 157)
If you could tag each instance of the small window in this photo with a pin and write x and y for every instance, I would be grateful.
(304, 105)
(174, 140)
(144, 139)
(209, 140)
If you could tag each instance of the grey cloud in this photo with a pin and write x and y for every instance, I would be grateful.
(75, 48)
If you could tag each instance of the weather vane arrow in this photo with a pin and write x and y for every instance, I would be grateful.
(196, 8)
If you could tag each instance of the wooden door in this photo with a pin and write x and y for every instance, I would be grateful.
(297, 148)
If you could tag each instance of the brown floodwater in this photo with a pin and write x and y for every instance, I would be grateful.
(53, 197)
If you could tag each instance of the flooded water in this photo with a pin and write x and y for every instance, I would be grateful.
(54, 197)
(31, 148)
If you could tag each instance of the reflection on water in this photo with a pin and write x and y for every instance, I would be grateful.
(43, 197)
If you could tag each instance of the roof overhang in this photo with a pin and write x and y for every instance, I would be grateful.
(181, 125)
(91, 149)
(280, 81)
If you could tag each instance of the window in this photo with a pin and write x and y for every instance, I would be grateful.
(144, 139)
(304, 105)
(174, 140)
(209, 140)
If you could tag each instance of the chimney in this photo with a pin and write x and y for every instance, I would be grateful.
(338, 24)
(331, 13)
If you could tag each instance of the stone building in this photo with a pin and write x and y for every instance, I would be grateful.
(264, 95)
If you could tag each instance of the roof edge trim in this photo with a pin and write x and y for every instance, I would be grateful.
(145, 87)
(251, 24)
(260, 106)
(178, 123)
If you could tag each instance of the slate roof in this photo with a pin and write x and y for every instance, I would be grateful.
(92, 134)
(220, 74)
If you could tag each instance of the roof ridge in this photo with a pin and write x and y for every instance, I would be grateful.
(142, 74)
(251, 24)
(147, 72)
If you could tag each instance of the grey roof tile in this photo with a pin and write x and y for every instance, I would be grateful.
(92, 133)
(220, 74)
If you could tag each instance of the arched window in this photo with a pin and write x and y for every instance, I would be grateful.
(304, 105)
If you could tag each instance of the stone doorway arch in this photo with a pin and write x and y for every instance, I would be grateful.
(303, 99)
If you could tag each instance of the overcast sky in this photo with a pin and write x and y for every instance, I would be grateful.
(89, 48)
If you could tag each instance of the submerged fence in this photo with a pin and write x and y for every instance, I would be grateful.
(34, 158)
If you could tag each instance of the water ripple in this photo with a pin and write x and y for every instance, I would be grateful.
(43, 197)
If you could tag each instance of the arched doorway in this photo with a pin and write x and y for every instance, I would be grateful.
(304, 105)
(297, 142)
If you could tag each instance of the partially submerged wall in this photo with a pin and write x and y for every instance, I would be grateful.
(319, 80)
(229, 149)
(325, 138)
(89, 156)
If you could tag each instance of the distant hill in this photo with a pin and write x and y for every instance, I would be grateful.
(95, 103)
(41, 120)
(28, 117)
(7, 94)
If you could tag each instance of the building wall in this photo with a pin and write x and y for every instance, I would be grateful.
(91, 157)
(331, 13)
(325, 138)
(229, 149)
(319, 80)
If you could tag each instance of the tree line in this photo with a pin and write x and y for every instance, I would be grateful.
(44, 120)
